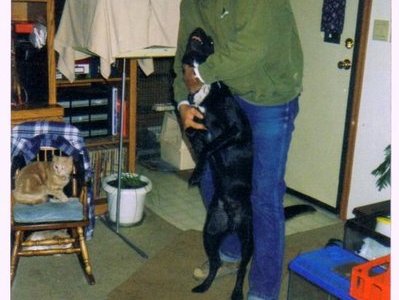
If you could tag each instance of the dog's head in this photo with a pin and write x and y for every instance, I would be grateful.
(199, 47)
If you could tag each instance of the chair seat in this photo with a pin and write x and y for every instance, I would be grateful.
(49, 212)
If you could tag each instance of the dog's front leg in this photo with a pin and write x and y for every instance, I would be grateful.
(228, 137)
(195, 177)
(220, 142)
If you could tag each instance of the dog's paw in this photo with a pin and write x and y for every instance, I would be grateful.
(195, 177)
(200, 288)
(194, 180)
(237, 296)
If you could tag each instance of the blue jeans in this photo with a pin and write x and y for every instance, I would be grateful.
(272, 128)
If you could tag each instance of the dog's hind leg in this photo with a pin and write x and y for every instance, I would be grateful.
(214, 230)
(245, 236)
(211, 243)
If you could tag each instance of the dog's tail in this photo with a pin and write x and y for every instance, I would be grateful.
(295, 210)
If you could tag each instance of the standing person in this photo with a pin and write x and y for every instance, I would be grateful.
(258, 55)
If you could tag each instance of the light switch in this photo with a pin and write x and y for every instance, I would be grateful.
(381, 30)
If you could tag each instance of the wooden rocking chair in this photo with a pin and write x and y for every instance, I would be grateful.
(70, 217)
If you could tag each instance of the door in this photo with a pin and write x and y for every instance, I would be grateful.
(314, 162)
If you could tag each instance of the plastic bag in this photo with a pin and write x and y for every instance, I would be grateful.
(38, 36)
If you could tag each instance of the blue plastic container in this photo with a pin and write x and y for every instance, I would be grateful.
(322, 274)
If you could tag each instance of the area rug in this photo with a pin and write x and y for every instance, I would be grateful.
(168, 274)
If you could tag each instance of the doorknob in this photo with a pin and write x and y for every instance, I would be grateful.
(345, 64)
(349, 43)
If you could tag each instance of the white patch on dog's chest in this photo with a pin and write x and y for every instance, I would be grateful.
(201, 94)
(201, 109)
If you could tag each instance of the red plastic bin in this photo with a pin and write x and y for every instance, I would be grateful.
(371, 280)
(23, 27)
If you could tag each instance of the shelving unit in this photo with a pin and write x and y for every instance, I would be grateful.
(29, 11)
(130, 141)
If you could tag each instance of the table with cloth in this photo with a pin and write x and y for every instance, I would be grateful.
(112, 29)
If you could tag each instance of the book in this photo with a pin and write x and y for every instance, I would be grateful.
(116, 113)
(114, 110)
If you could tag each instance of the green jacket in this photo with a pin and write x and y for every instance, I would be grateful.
(257, 49)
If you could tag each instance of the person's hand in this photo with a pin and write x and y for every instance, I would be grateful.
(187, 114)
(192, 83)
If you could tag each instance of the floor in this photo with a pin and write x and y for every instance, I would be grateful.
(112, 258)
(173, 200)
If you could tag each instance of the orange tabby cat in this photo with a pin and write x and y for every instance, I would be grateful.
(36, 181)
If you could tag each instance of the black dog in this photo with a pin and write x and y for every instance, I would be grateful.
(227, 146)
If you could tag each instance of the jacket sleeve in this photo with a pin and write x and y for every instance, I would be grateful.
(186, 25)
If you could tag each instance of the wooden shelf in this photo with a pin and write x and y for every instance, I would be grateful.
(25, 113)
(86, 82)
(104, 141)
(33, 1)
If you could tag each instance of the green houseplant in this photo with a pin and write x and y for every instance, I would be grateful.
(134, 189)
(129, 181)
(383, 171)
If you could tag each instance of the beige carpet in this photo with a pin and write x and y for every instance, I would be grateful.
(61, 277)
(168, 275)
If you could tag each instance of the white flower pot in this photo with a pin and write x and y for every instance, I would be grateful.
(131, 201)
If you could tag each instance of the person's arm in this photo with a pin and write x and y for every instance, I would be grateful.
(187, 112)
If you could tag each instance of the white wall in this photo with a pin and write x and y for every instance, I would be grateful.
(5, 79)
(374, 127)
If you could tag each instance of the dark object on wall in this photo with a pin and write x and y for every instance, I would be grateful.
(332, 20)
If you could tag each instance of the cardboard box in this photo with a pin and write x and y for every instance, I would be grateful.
(175, 149)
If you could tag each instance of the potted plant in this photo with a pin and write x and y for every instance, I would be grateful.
(383, 174)
(383, 171)
(134, 189)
